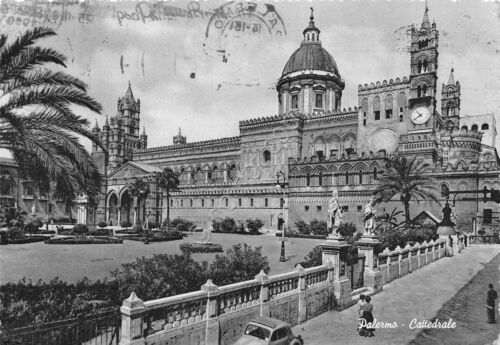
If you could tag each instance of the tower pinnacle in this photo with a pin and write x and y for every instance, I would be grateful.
(451, 79)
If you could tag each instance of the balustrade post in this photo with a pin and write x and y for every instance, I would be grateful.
(433, 251)
(263, 279)
(400, 258)
(301, 289)
(132, 311)
(212, 330)
(372, 276)
(426, 245)
(331, 289)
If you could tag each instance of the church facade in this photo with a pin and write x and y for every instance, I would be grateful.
(315, 142)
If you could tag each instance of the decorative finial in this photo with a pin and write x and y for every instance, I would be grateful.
(312, 13)
(179, 131)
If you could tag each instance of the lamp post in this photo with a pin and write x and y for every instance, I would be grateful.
(279, 176)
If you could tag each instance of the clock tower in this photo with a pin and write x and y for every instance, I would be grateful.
(423, 77)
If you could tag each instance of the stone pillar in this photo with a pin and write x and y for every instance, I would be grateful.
(132, 311)
(335, 251)
(119, 220)
(225, 175)
(302, 294)
(307, 99)
(212, 330)
(263, 278)
(373, 275)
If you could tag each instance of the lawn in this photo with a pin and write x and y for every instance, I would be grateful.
(71, 263)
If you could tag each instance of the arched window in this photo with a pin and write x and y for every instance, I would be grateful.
(213, 202)
(190, 202)
(132, 127)
(419, 65)
(388, 106)
(227, 202)
(465, 129)
(119, 150)
(182, 203)
(474, 128)
(266, 202)
(375, 173)
(308, 179)
(425, 66)
(424, 90)
(295, 101)
(346, 178)
(202, 202)
(376, 107)
(267, 156)
(360, 175)
(171, 202)
(320, 179)
(239, 202)
(251, 202)
(485, 127)
(419, 91)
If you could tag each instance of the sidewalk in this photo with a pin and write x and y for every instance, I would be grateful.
(418, 295)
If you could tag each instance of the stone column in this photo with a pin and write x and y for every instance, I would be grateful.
(132, 311)
(213, 327)
(263, 278)
(373, 275)
(335, 251)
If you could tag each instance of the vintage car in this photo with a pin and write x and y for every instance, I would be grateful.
(268, 331)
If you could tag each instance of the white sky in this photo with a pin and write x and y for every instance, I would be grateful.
(366, 38)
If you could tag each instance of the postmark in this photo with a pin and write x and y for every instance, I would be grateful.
(239, 20)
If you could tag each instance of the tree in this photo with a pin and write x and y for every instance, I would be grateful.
(388, 221)
(405, 179)
(139, 189)
(240, 263)
(169, 181)
(38, 124)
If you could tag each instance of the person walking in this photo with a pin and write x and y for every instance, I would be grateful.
(450, 239)
(361, 302)
(367, 328)
(491, 296)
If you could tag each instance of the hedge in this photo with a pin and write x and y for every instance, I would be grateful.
(201, 248)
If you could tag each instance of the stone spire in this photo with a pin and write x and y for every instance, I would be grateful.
(129, 94)
(143, 130)
(179, 139)
(451, 79)
(96, 127)
(425, 21)
(106, 124)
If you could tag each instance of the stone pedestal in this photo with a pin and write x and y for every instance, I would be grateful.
(335, 253)
(373, 275)
(132, 310)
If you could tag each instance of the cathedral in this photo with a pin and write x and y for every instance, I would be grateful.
(282, 168)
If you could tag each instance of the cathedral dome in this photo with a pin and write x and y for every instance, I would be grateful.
(311, 56)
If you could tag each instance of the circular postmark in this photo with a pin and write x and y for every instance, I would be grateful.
(235, 21)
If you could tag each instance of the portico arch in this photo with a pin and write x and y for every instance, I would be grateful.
(126, 207)
(113, 209)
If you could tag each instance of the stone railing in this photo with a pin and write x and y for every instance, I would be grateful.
(401, 261)
(217, 315)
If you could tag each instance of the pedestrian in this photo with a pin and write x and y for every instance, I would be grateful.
(465, 240)
(361, 302)
(451, 245)
(491, 296)
(367, 328)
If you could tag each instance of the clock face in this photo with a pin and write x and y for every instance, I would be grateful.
(420, 115)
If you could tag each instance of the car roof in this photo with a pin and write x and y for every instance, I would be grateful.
(269, 322)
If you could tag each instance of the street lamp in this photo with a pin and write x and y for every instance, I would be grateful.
(279, 184)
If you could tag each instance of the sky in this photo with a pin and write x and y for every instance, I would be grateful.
(193, 69)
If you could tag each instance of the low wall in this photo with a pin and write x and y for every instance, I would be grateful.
(218, 315)
(401, 261)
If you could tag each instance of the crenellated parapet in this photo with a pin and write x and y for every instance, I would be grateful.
(381, 154)
(270, 119)
(383, 84)
(207, 146)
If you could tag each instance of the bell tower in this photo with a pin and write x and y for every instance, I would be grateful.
(423, 77)
(450, 103)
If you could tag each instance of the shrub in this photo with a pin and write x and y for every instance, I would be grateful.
(226, 225)
(15, 233)
(33, 226)
(240, 228)
(302, 227)
(102, 224)
(200, 248)
(80, 229)
(182, 225)
(125, 224)
(254, 225)
(347, 229)
(313, 258)
(319, 228)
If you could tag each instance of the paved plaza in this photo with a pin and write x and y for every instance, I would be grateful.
(437, 290)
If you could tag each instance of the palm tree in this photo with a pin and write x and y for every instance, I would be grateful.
(139, 189)
(169, 181)
(389, 220)
(38, 124)
(405, 178)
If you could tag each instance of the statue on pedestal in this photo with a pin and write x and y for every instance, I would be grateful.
(334, 213)
(369, 217)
